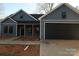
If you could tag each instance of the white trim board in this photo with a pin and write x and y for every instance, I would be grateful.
(55, 20)
(16, 29)
(12, 20)
(63, 22)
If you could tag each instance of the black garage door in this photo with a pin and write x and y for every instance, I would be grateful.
(61, 31)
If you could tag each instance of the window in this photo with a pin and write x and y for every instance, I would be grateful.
(21, 17)
(63, 15)
(29, 29)
(10, 29)
(5, 29)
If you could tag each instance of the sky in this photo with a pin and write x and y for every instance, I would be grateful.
(10, 8)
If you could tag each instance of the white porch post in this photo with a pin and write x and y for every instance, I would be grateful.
(32, 30)
(16, 29)
(8, 28)
(24, 30)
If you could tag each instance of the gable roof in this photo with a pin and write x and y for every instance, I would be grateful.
(66, 4)
(23, 12)
(9, 18)
(33, 16)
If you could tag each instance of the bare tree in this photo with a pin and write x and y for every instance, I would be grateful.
(77, 7)
(44, 7)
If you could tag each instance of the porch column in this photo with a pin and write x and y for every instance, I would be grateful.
(16, 29)
(32, 30)
(8, 28)
(24, 30)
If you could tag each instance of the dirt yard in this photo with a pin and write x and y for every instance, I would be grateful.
(18, 50)
(6, 37)
(44, 48)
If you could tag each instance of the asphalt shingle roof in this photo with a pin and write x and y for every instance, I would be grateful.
(36, 15)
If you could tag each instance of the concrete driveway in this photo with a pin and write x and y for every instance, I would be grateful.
(55, 48)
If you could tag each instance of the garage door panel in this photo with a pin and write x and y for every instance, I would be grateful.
(61, 31)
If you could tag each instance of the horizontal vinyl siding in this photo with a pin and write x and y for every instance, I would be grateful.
(56, 14)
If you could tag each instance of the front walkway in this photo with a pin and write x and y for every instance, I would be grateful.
(19, 42)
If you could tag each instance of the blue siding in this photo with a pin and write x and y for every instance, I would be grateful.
(56, 14)
(8, 20)
(25, 17)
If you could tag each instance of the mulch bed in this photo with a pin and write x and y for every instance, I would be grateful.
(18, 50)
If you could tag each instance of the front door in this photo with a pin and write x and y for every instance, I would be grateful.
(21, 31)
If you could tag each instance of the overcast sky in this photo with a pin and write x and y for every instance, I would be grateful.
(10, 8)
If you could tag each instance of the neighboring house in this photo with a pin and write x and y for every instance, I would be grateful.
(20, 24)
(60, 23)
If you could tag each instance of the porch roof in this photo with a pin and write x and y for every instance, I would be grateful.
(27, 21)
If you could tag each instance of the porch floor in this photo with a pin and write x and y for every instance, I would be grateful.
(28, 38)
(20, 38)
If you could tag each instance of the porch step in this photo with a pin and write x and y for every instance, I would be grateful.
(28, 38)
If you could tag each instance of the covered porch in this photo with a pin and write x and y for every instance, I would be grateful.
(25, 29)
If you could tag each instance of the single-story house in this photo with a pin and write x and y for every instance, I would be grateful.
(60, 23)
(21, 24)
